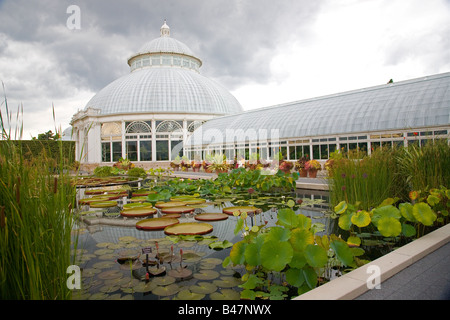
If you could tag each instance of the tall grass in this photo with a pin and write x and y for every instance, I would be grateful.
(426, 167)
(368, 181)
(390, 173)
(35, 224)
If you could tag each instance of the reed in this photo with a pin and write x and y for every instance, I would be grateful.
(36, 223)
(368, 181)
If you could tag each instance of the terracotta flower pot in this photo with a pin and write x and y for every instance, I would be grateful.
(312, 173)
(303, 173)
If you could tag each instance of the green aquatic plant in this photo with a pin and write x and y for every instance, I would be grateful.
(287, 257)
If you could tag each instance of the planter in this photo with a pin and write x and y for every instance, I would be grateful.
(221, 171)
(312, 173)
(303, 173)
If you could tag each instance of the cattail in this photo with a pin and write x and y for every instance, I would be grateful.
(2, 217)
(55, 185)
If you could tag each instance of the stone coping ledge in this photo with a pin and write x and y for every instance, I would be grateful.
(354, 283)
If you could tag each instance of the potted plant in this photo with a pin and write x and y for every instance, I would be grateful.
(219, 163)
(300, 167)
(286, 166)
(312, 166)
(185, 163)
(175, 164)
(123, 164)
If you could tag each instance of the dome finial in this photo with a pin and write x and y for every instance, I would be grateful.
(165, 30)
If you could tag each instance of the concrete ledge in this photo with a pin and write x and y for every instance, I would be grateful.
(354, 283)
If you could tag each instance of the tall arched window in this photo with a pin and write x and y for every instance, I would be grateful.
(138, 141)
(169, 140)
(111, 133)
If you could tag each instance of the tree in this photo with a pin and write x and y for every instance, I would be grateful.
(49, 135)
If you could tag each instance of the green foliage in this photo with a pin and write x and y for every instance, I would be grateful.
(103, 171)
(289, 250)
(137, 172)
(407, 219)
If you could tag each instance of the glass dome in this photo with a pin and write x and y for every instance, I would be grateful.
(164, 78)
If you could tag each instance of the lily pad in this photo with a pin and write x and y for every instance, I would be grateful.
(156, 223)
(225, 294)
(165, 291)
(211, 217)
(161, 205)
(186, 294)
(103, 204)
(127, 239)
(104, 265)
(239, 210)
(164, 281)
(180, 273)
(145, 286)
(189, 228)
(206, 274)
(203, 287)
(134, 205)
(138, 212)
(227, 282)
(178, 209)
(110, 274)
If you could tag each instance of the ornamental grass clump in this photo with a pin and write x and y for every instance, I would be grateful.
(35, 225)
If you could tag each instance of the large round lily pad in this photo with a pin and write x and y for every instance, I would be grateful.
(189, 228)
(225, 294)
(169, 290)
(156, 223)
(180, 209)
(135, 205)
(239, 210)
(180, 273)
(203, 287)
(103, 204)
(211, 216)
(206, 274)
(161, 205)
(138, 212)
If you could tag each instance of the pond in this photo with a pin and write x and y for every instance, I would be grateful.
(111, 251)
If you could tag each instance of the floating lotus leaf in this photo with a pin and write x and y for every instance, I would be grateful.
(134, 205)
(186, 294)
(203, 288)
(110, 274)
(108, 256)
(215, 261)
(164, 281)
(165, 291)
(138, 199)
(94, 192)
(138, 212)
(172, 215)
(109, 289)
(198, 206)
(156, 223)
(189, 228)
(239, 210)
(131, 265)
(127, 239)
(316, 256)
(206, 275)
(191, 257)
(169, 204)
(90, 272)
(194, 201)
(103, 204)
(129, 283)
(180, 273)
(103, 244)
(144, 286)
(208, 266)
(104, 264)
(128, 254)
(157, 270)
(227, 282)
(225, 294)
(178, 209)
(103, 251)
(211, 216)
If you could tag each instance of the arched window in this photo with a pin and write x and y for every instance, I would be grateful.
(138, 145)
(169, 140)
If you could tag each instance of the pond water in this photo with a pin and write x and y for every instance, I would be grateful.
(105, 236)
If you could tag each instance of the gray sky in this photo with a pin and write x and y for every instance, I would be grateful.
(264, 52)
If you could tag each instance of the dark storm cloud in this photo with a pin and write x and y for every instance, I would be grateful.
(235, 39)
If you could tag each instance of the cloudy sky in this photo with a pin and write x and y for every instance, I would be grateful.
(265, 52)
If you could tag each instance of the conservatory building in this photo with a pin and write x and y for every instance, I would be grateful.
(147, 114)
(402, 113)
